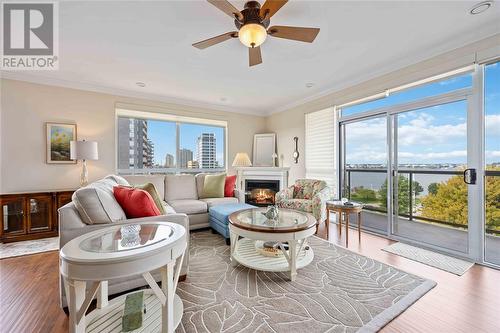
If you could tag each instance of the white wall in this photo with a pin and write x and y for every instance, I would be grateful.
(290, 123)
(25, 107)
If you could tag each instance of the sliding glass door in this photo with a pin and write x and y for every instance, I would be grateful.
(364, 176)
(429, 193)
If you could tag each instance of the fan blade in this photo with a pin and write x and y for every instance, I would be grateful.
(271, 7)
(295, 33)
(215, 40)
(227, 8)
(254, 55)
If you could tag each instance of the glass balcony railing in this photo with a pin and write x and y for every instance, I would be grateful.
(431, 196)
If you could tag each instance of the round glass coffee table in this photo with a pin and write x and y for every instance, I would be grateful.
(278, 245)
(89, 261)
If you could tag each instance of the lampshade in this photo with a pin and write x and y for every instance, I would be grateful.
(252, 34)
(83, 150)
(242, 160)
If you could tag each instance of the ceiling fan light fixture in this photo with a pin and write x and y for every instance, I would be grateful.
(252, 34)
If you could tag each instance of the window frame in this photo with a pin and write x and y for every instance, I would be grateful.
(178, 120)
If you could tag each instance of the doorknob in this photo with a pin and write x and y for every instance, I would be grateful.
(470, 176)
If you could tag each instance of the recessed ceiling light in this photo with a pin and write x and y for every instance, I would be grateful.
(480, 7)
(140, 84)
(309, 85)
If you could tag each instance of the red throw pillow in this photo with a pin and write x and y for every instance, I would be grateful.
(135, 202)
(229, 186)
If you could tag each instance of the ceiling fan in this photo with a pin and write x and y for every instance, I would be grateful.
(252, 24)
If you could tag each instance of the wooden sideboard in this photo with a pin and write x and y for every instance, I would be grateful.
(31, 215)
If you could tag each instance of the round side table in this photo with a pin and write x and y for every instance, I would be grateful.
(343, 211)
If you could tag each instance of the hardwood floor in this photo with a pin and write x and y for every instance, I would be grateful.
(29, 294)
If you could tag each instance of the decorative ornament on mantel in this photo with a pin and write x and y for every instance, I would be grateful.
(296, 151)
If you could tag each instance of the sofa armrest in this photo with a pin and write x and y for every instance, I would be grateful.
(319, 203)
(284, 194)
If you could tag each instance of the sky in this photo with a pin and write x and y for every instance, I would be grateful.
(431, 135)
(162, 133)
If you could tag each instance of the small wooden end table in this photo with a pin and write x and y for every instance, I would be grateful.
(343, 210)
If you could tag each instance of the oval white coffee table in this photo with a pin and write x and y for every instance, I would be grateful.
(249, 229)
(117, 252)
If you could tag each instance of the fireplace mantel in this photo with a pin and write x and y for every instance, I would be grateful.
(260, 173)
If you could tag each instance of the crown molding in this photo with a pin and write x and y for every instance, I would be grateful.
(93, 87)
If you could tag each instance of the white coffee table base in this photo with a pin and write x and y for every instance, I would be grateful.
(247, 255)
(243, 250)
(109, 319)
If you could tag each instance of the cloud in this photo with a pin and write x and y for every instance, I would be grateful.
(492, 154)
(418, 139)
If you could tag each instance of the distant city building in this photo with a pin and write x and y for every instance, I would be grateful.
(135, 150)
(169, 161)
(185, 155)
(193, 165)
(206, 153)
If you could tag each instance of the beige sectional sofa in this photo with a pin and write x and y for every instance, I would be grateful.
(183, 194)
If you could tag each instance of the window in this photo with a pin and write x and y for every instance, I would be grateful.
(320, 146)
(159, 143)
(446, 85)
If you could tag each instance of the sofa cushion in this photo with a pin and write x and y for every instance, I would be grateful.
(297, 204)
(200, 180)
(189, 206)
(157, 180)
(118, 179)
(220, 201)
(96, 203)
(213, 186)
(167, 208)
(179, 187)
(135, 202)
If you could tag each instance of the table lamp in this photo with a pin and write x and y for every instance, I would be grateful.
(84, 150)
(242, 160)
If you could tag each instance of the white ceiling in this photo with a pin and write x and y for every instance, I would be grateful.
(112, 45)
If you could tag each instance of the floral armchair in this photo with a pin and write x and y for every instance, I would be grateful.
(307, 195)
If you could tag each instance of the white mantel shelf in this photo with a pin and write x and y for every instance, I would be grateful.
(260, 173)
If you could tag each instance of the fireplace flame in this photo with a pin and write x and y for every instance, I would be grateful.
(262, 195)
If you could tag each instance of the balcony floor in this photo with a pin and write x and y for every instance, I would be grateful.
(447, 237)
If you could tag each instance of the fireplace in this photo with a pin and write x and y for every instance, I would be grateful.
(261, 192)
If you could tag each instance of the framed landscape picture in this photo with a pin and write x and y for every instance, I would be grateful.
(58, 139)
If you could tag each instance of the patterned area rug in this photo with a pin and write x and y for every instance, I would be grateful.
(434, 259)
(17, 249)
(340, 291)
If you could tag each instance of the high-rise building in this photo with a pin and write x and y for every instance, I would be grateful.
(206, 154)
(135, 150)
(169, 161)
(185, 155)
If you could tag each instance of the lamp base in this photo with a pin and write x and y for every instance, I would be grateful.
(84, 176)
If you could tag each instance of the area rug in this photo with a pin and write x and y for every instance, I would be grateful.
(17, 249)
(434, 259)
(340, 291)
